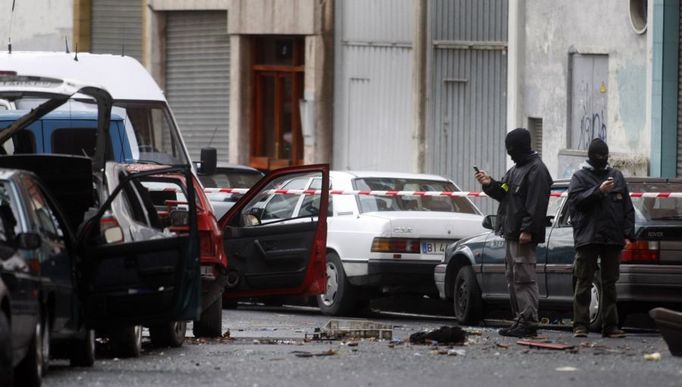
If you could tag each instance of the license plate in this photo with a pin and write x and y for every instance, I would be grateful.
(434, 247)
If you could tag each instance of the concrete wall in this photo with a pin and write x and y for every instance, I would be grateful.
(37, 24)
(548, 30)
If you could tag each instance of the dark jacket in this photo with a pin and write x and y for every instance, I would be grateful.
(599, 218)
(523, 194)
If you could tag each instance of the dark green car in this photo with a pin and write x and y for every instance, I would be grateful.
(472, 272)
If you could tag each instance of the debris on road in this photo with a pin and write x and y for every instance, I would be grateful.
(454, 335)
(545, 345)
(456, 352)
(656, 356)
(330, 352)
(566, 369)
(503, 345)
(358, 329)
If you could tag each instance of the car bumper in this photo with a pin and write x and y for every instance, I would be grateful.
(413, 276)
(650, 285)
(439, 279)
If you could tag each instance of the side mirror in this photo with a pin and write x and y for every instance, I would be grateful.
(28, 241)
(489, 222)
(209, 160)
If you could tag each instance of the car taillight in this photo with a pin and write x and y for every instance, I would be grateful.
(110, 229)
(640, 252)
(395, 245)
(206, 245)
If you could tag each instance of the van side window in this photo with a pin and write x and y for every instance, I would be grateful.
(74, 141)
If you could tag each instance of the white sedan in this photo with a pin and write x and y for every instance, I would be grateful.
(379, 244)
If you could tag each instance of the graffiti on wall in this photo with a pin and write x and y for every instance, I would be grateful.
(592, 123)
(588, 100)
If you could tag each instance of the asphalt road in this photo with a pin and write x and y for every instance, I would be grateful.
(268, 347)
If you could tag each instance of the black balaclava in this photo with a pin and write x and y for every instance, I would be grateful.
(517, 143)
(598, 153)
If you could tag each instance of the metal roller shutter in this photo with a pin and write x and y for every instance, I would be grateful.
(679, 101)
(198, 78)
(117, 27)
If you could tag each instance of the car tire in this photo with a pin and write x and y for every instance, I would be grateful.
(211, 321)
(466, 294)
(170, 334)
(6, 369)
(126, 341)
(83, 350)
(340, 297)
(29, 372)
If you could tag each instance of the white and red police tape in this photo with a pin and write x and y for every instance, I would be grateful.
(417, 193)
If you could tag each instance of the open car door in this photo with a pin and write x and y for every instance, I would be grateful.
(139, 282)
(120, 281)
(269, 250)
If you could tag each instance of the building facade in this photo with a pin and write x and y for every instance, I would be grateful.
(582, 69)
(402, 85)
(249, 78)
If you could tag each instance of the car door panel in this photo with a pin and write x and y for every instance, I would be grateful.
(282, 256)
(271, 256)
(137, 282)
(141, 282)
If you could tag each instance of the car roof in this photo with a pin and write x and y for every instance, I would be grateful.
(57, 115)
(122, 76)
(387, 174)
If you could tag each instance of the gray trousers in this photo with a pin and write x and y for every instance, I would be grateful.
(522, 281)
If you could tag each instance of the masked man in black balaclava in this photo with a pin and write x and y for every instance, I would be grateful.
(602, 217)
(523, 194)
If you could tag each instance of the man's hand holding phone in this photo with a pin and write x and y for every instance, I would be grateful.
(482, 176)
(607, 185)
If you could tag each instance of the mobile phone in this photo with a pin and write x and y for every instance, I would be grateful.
(476, 169)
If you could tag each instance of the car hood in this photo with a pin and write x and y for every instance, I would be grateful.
(424, 224)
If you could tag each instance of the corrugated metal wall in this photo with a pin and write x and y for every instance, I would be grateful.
(467, 116)
(679, 102)
(372, 113)
(117, 27)
(198, 78)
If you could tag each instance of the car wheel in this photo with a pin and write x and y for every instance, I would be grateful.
(29, 372)
(126, 341)
(595, 298)
(466, 295)
(171, 334)
(211, 321)
(340, 296)
(6, 369)
(83, 350)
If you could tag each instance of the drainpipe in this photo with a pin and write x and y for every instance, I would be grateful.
(419, 44)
